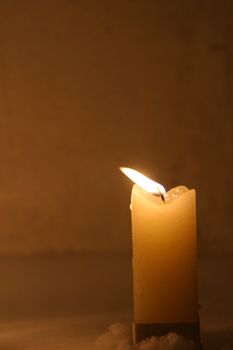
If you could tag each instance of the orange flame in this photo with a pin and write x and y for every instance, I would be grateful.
(144, 182)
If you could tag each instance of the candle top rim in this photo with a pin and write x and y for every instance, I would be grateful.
(170, 197)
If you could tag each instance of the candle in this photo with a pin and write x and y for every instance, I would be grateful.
(164, 259)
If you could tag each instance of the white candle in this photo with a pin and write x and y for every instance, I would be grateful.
(164, 259)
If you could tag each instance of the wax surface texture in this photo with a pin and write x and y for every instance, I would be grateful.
(164, 256)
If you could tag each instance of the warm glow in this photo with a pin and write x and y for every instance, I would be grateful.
(144, 182)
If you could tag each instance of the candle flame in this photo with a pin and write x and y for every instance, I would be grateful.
(144, 182)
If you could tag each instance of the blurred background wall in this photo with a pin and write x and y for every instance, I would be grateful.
(86, 86)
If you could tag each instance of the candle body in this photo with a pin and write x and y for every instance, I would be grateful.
(164, 257)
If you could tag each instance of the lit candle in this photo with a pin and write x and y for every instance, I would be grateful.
(164, 259)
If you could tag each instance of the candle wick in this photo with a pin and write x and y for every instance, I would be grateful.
(163, 199)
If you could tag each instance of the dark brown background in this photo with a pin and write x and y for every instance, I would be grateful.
(86, 86)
